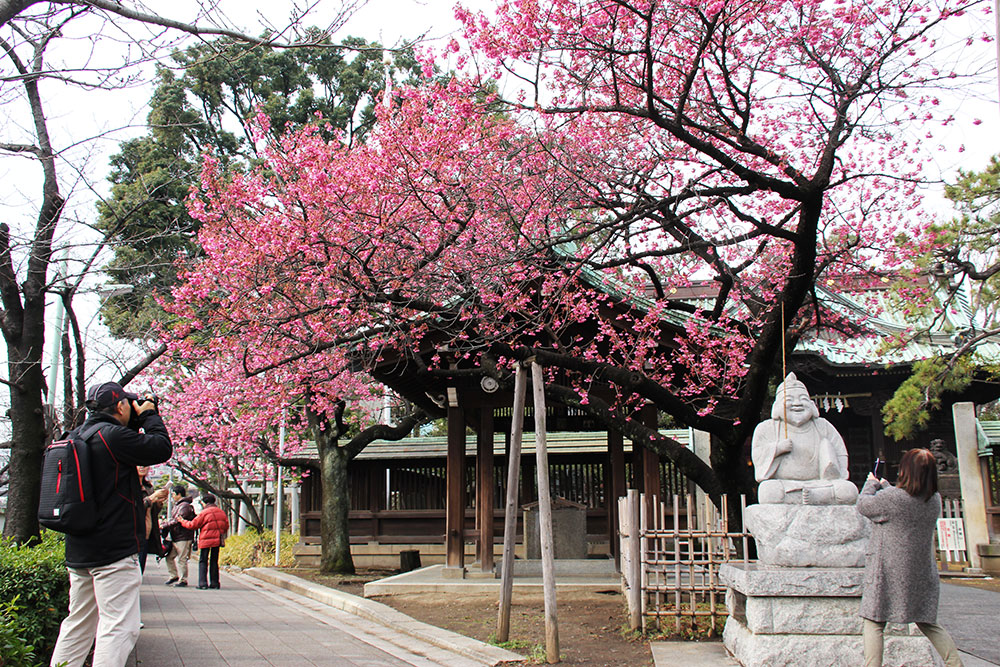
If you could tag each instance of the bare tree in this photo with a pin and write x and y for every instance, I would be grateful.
(27, 29)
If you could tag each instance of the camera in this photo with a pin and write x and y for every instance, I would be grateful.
(149, 398)
(134, 418)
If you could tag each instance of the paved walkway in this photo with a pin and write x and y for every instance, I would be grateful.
(249, 623)
(972, 616)
(252, 623)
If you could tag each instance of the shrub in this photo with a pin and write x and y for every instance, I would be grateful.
(256, 549)
(15, 651)
(35, 576)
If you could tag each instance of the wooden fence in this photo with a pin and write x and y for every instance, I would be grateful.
(671, 554)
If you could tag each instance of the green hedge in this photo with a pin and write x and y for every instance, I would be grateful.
(34, 578)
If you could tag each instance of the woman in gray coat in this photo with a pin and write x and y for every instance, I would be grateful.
(901, 578)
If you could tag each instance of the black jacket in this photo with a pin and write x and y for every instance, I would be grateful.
(115, 451)
(182, 510)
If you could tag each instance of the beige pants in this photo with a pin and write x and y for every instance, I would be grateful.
(177, 560)
(940, 640)
(103, 601)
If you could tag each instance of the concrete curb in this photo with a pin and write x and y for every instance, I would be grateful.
(387, 616)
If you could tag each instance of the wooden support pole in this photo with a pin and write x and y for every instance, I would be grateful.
(616, 482)
(545, 519)
(632, 559)
(484, 490)
(650, 464)
(455, 498)
(510, 511)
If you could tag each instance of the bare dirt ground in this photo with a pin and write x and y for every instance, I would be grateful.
(592, 627)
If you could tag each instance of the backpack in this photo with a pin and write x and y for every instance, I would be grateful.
(67, 502)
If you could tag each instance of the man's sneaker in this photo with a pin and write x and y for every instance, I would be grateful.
(180, 584)
(171, 581)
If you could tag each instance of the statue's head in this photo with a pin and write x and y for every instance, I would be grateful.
(792, 402)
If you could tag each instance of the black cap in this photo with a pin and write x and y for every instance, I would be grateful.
(105, 395)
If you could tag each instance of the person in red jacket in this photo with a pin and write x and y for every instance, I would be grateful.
(213, 524)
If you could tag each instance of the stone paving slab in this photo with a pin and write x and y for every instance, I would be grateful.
(245, 624)
(431, 579)
(388, 617)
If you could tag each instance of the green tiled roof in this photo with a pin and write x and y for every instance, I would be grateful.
(436, 446)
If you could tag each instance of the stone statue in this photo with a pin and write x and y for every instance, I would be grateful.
(946, 461)
(799, 457)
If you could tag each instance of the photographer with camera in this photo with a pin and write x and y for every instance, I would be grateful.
(103, 564)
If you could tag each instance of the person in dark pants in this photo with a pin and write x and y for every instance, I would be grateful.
(213, 524)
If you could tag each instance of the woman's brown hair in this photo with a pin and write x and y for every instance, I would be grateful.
(918, 473)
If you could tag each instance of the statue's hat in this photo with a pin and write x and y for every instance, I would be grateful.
(791, 382)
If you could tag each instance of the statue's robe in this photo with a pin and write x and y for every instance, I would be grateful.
(818, 451)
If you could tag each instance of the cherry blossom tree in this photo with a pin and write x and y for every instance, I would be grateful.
(762, 146)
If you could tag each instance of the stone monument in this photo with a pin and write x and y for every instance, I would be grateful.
(799, 604)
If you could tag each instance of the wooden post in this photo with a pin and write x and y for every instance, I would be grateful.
(484, 489)
(632, 559)
(376, 496)
(650, 464)
(616, 483)
(510, 511)
(545, 518)
(455, 499)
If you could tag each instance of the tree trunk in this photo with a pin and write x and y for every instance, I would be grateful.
(335, 536)
(27, 443)
(23, 320)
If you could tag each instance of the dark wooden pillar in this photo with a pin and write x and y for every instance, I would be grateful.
(377, 491)
(650, 464)
(455, 495)
(878, 434)
(614, 487)
(484, 490)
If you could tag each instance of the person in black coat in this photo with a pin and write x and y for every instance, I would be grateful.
(103, 564)
(181, 537)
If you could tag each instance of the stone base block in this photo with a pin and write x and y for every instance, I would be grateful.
(809, 535)
(803, 615)
(797, 650)
(759, 580)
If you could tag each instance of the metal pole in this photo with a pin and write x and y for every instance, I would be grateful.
(545, 518)
(279, 493)
(170, 494)
(54, 364)
(510, 515)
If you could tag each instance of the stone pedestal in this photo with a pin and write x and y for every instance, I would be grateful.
(799, 605)
(792, 616)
